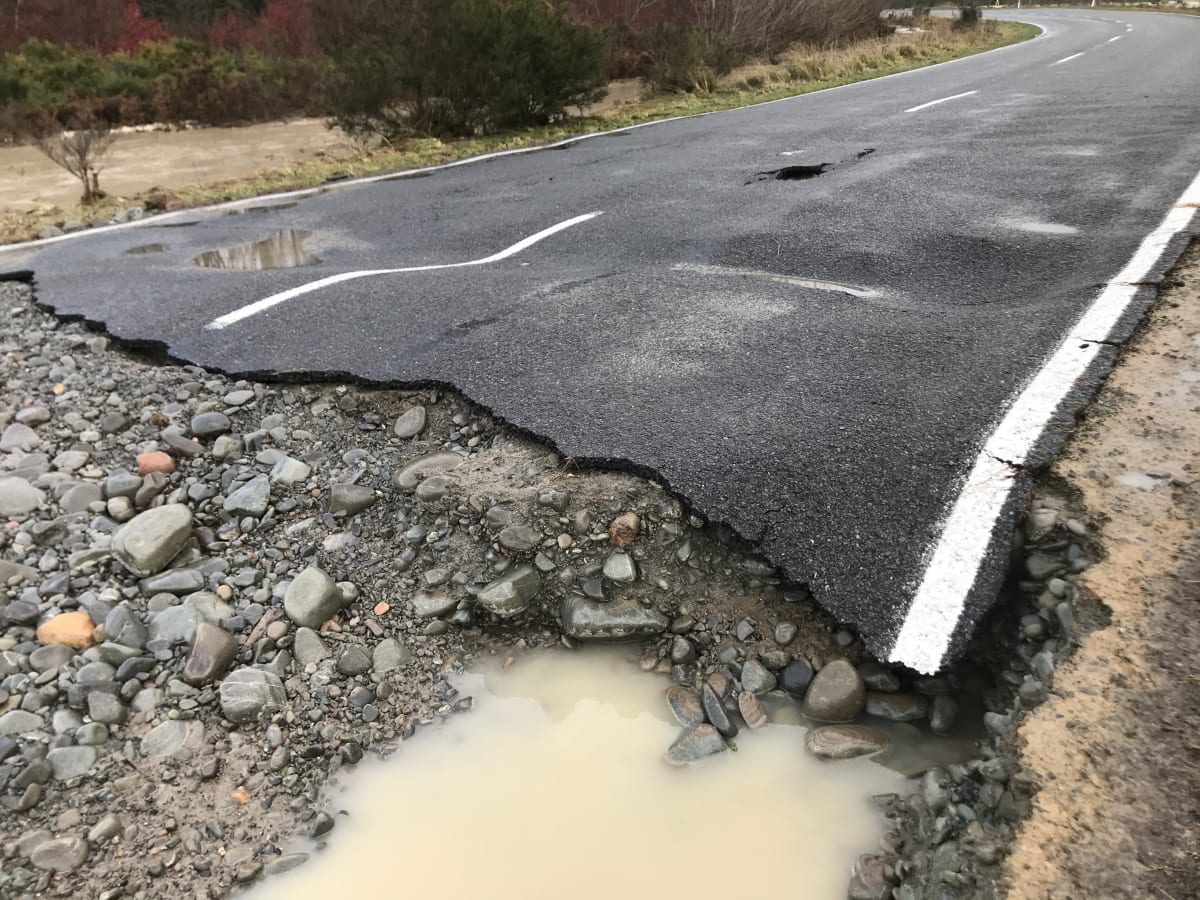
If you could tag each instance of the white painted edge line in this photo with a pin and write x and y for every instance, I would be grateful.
(912, 109)
(1111, 39)
(813, 283)
(266, 303)
(953, 564)
(1068, 58)
(304, 193)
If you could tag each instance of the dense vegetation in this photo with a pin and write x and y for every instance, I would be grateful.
(389, 67)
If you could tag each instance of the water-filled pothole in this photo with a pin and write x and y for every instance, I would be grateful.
(282, 250)
(554, 785)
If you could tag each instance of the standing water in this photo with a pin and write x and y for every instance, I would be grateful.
(553, 786)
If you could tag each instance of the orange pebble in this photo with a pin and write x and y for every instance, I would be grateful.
(242, 796)
(155, 462)
(381, 608)
(73, 629)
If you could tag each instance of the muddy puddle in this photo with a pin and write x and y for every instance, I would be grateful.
(553, 786)
(282, 250)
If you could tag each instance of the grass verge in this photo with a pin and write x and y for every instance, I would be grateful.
(801, 70)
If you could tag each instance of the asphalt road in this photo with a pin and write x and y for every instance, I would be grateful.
(832, 416)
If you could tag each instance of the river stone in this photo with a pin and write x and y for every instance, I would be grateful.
(123, 626)
(685, 705)
(695, 744)
(247, 693)
(312, 599)
(622, 619)
(715, 712)
(175, 624)
(897, 707)
(106, 709)
(213, 651)
(80, 497)
(353, 660)
(173, 581)
(10, 570)
(431, 604)
(511, 593)
(18, 721)
(755, 677)
(878, 677)
(389, 654)
(796, 677)
(18, 497)
(845, 741)
(106, 829)
(171, 737)
(51, 656)
(149, 541)
(350, 499)
(752, 711)
(518, 538)
(121, 484)
(251, 499)
(619, 568)
(210, 424)
(290, 471)
(837, 693)
(942, 714)
(64, 854)
(74, 628)
(407, 478)
(71, 762)
(19, 437)
(411, 423)
(309, 648)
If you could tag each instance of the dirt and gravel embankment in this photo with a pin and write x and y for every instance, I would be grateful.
(312, 561)
(1116, 749)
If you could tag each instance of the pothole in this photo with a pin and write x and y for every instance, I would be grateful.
(792, 173)
(805, 172)
(282, 250)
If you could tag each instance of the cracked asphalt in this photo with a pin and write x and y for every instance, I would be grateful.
(833, 428)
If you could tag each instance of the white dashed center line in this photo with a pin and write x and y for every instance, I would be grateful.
(1068, 58)
(943, 100)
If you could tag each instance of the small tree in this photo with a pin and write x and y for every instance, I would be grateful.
(79, 151)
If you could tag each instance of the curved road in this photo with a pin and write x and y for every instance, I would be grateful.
(845, 368)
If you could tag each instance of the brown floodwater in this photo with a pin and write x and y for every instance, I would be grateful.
(553, 786)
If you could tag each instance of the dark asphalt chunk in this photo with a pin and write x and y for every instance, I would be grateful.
(833, 429)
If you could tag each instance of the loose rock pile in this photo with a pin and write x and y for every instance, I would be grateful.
(215, 594)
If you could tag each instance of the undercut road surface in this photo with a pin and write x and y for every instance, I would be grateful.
(852, 369)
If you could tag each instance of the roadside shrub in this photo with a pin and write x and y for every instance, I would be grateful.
(169, 81)
(464, 67)
(687, 58)
(969, 16)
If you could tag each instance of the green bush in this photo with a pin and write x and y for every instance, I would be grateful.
(172, 81)
(687, 57)
(464, 67)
